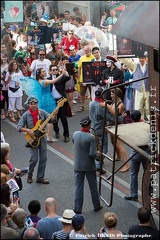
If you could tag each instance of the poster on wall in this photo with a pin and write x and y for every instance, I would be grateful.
(92, 72)
(14, 11)
(129, 48)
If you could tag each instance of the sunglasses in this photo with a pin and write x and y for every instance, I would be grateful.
(33, 101)
(42, 54)
(55, 69)
(70, 33)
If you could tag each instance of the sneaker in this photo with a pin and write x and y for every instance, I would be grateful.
(50, 139)
(66, 139)
(74, 101)
(57, 135)
(102, 172)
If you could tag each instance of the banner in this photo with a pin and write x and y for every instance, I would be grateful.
(13, 11)
(92, 72)
(42, 35)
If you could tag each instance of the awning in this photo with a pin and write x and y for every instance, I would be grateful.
(139, 22)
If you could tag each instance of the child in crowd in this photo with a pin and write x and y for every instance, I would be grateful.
(34, 208)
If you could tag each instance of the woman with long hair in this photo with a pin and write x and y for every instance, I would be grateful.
(48, 103)
(4, 70)
(120, 150)
(15, 91)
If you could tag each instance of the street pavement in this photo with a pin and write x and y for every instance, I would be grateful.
(59, 172)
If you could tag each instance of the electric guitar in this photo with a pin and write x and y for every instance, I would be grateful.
(39, 132)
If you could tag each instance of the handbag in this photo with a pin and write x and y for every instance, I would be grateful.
(13, 89)
(19, 182)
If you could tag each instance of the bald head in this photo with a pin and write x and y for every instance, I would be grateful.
(31, 233)
(87, 50)
(50, 204)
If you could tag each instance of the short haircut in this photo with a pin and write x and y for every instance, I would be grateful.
(18, 217)
(61, 15)
(52, 65)
(65, 58)
(67, 12)
(75, 9)
(3, 212)
(34, 206)
(31, 233)
(144, 215)
(95, 48)
(41, 50)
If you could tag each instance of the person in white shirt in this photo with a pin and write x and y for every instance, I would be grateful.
(15, 91)
(41, 62)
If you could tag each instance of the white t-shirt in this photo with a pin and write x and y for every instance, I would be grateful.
(40, 64)
(12, 83)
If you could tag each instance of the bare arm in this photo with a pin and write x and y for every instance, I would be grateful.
(47, 82)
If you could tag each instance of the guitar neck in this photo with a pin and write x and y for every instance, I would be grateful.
(47, 120)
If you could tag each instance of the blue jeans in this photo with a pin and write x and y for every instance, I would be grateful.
(105, 148)
(134, 169)
(79, 189)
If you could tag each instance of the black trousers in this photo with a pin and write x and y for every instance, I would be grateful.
(62, 115)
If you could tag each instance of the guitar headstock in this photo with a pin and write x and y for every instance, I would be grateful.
(61, 102)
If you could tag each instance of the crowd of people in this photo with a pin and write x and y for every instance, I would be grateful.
(50, 82)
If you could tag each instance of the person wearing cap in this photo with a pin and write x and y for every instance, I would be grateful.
(79, 14)
(66, 220)
(136, 162)
(111, 71)
(26, 124)
(141, 101)
(85, 151)
(69, 40)
(79, 230)
(53, 59)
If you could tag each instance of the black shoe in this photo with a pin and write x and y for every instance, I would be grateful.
(131, 198)
(57, 135)
(77, 212)
(98, 209)
(102, 172)
(66, 139)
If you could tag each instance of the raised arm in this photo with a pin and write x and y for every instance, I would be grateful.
(47, 82)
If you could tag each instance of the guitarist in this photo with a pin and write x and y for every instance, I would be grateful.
(26, 123)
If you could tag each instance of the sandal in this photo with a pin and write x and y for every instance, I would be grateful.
(19, 116)
(81, 109)
(3, 116)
